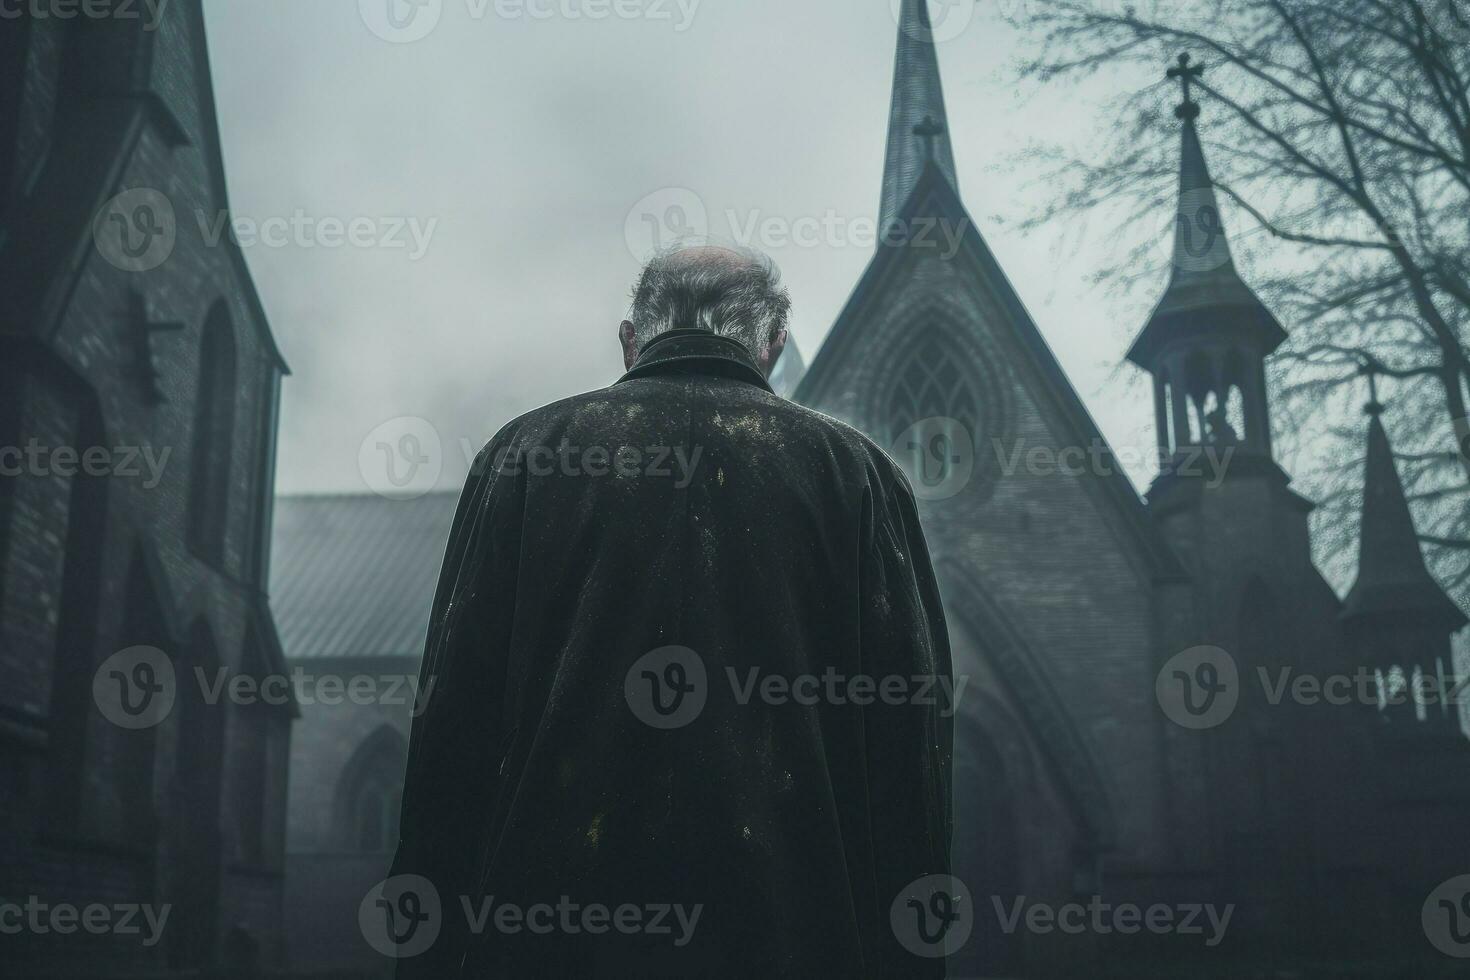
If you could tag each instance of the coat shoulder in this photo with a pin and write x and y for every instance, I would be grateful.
(887, 474)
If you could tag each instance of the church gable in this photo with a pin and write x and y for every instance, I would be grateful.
(934, 329)
(1036, 522)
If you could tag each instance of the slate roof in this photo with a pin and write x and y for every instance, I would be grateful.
(353, 575)
(1204, 277)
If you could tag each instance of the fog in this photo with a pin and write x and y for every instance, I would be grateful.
(494, 175)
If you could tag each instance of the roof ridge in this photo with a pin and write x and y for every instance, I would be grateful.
(315, 496)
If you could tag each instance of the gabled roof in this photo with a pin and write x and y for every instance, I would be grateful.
(935, 197)
(1392, 576)
(353, 575)
(918, 100)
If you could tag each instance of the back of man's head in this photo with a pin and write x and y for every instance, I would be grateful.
(730, 291)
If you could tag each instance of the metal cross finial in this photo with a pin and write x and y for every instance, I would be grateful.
(1187, 72)
(1370, 369)
(929, 130)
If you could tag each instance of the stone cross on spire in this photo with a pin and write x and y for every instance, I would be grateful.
(929, 130)
(1187, 72)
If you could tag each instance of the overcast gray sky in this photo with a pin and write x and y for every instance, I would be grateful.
(498, 166)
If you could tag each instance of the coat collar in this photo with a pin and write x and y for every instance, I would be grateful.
(696, 352)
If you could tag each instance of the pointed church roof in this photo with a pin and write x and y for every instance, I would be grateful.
(934, 196)
(918, 104)
(1392, 576)
(1204, 278)
(930, 191)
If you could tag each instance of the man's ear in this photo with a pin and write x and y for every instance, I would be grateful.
(629, 342)
(773, 352)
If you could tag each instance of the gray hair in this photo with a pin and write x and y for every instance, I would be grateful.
(731, 291)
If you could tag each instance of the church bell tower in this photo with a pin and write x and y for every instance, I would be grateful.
(1208, 338)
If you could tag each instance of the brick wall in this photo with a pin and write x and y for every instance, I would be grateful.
(130, 835)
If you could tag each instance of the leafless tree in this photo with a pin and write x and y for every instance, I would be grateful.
(1339, 136)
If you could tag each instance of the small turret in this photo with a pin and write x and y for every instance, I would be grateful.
(1397, 619)
(1207, 340)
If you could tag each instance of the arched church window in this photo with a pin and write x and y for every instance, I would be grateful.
(376, 814)
(370, 793)
(931, 384)
(75, 652)
(214, 427)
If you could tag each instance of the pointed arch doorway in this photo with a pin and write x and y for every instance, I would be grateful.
(198, 778)
(1030, 810)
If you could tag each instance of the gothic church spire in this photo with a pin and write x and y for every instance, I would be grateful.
(1203, 279)
(918, 127)
(1392, 577)
(1207, 340)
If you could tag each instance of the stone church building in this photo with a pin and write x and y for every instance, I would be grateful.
(1069, 598)
(1115, 737)
(1097, 629)
(139, 385)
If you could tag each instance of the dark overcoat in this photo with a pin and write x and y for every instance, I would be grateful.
(681, 710)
